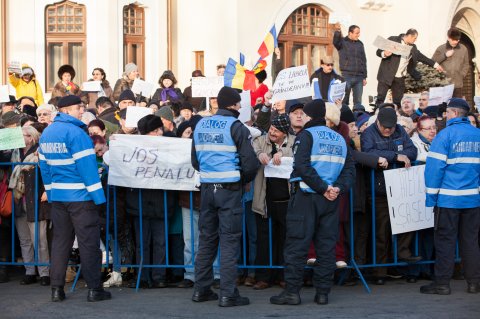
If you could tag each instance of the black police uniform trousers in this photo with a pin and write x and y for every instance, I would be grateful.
(219, 223)
(310, 217)
(450, 224)
(81, 219)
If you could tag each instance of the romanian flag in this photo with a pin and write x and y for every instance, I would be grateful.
(238, 77)
(269, 44)
(259, 66)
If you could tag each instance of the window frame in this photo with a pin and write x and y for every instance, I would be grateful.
(131, 40)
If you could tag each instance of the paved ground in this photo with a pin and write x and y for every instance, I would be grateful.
(396, 299)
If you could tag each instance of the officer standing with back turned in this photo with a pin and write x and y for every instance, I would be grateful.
(69, 171)
(223, 153)
(323, 169)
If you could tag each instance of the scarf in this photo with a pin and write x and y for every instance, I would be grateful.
(170, 92)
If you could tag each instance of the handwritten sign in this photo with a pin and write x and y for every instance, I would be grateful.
(206, 86)
(284, 170)
(153, 162)
(142, 88)
(92, 86)
(4, 94)
(11, 138)
(336, 91)
(441, 94)
(291, 83)
(406, 199)
(15, 67)
(392, 46)
(135, 113)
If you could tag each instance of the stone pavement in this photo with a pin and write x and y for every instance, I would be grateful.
(396, 299)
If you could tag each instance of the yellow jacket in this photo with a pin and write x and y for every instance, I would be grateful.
(23, 88)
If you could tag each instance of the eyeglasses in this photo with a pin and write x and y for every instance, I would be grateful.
(329, 64)
(43, 114)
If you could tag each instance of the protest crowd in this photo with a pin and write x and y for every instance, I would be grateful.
(65, 212)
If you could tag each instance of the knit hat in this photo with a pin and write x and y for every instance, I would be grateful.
(165, 112)
(130, 67)
(332, 112)
(30, 110)
(361, 119)
(182, 127)
(66, 68)
(68, 101)
(27, 70)
(148, 124)
(227, 97)
(126, 95)
(10, 118)
(458, 103)
(346, 115)
(292, 105)
(315, 109)
(387, 117)
(281, 122)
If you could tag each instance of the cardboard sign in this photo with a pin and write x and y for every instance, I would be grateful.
(406, 199)
(153, 162)
(336, 92)
(140, 87)
(15, 67)
(135, 113)
(392, 46)
(206, 86)
(11, 138)
(92, 86)
(441, 94)
(291, 83)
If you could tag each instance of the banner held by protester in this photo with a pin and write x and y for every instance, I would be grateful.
(153, 162)
(406, 199)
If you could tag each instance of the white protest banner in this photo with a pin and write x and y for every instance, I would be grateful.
(154, 162)
(15, 67)
(11, 138)
(406, 199)
(245, 109)
(92, 86)
(337, 91)
(284, 170)
(392, 46)
(438, 95)
(476, 100)
(142, 88)
(342, 18)
(135, 113)
(292, 83)
(206, 86)
(4, 94)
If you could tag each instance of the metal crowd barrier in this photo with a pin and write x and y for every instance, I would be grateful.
(140, 264)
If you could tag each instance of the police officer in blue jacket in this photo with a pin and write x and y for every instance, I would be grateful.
(322, 170)
(452, 178)
(223, 154)
(69, 171)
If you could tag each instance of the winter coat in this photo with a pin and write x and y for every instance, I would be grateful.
(456, 66)
(60, 90)
(353, 61)
(91, 97)
(32, 88)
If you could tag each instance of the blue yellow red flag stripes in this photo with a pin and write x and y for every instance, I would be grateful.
(269, 44)
(238, 77)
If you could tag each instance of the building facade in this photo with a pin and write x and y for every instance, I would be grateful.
(184, 35)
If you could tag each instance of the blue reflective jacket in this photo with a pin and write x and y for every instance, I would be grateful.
(328, 155)
(216, 151)
(68, 163)
(453, 166)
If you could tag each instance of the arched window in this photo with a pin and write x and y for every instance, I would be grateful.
(306, 37)
(134, 36)
(65, 33)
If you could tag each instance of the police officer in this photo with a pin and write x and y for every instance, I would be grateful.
(222, 152)
(69, 172)
(323, 169)
(452, 177)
